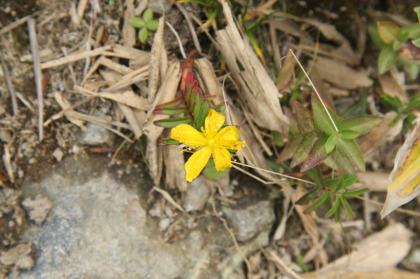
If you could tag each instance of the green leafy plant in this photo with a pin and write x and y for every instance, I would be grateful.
(399, 45)
(314, 137)
(212, 7)
(331, 193)
(406, 111)
(146, 23)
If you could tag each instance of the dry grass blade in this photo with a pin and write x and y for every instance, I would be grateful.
(38, 76)
(168, 198)
(282, 265)
(9, 84)
(8, 163)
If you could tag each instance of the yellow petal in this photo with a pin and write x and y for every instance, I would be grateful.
(214, 121)
(186, 134)
(221, 159)
(228, 138)
(196, 163)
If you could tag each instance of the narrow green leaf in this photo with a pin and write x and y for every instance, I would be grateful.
(169, 141)
(211, 173)
(387, 58)
(411, 31)
(354, 193)
(349, 150)
(317, 155)
(338, 214)
(318, 202)
(347, 208)
(277, 138)
(321, 119)
(169, 110)
(331, 143)
(348, 134)
(334, 208)
(148, 15)
(198, 110)
(172, 122)
(303, 149)
(348, 179)
(137, 22)
(143, 33)
(308, 196)
(374, 35)
(362, 124)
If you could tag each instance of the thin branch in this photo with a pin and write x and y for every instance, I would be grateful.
(190, 26)
(38, 75)
(181, 48)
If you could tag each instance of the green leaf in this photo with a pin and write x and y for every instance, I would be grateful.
(308, 196)
(169, 141)
(143, 33)
(411, 31)
(152, 25)
(331, 143)
(387, 58)
(321, 119)
(317, 154)
(169, 110)
(277, 138)
(148, 15)
(388, 31)
(334, 208)
(348, 134)
(172, 122)
(348, 179)
(349, 151)
(374, 35)
(211, 173)
(303, 149)
(137, 22)
(417, 10)
(347, 208)
(361, 124)
(318, 202)
(354, 193)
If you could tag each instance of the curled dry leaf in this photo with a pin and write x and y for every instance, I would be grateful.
(258, 91)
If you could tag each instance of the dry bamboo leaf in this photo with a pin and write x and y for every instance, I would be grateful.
(377, 252)
(117, 67)
(257, 89)
(167, 92)
(175, 170)
(308, 220)
(8, 163)
(155, 57)
(341, 75)
(126, 97)
(74, 57)
(65, 104)
(131, 54)
(81, 8)
(208, 80)
(129, 32)
(129, 79)
(380, 134)
(392, 83)
(322, 88)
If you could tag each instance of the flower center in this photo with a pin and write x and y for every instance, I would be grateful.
(211, 142)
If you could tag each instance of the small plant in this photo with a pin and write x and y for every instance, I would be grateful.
(201, 129)
(145, 24)
(332, 193)
(399, 45)
(314, 138)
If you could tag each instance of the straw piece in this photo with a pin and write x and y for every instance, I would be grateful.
(75, 57)
(38, 76)
(8, 164)
(14, 25)
(9, 84)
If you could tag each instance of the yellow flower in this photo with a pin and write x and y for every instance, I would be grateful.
(210, 142)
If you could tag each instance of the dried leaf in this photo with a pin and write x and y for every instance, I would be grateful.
(405, 177)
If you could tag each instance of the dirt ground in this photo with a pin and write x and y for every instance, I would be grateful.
(59, 73)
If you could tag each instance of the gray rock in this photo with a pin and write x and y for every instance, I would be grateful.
(96, 135)
(247, 222)
(196, 195)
